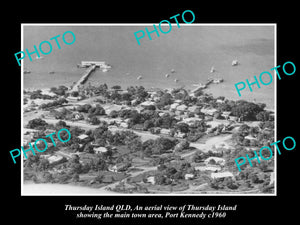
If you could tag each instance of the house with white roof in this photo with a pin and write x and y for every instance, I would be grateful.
(174, 105)
(249, 137)
(151, 180)
(222, 145)
(221, 175)
(218, 160)
(189, 176)
(100, 150)
(147, 103)
(83, 137)
(165, 131)
(181, 108)
(193, 108)
(213, 168)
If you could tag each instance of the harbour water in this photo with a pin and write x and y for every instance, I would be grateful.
(190, 50)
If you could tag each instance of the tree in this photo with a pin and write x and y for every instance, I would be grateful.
(160, 179)
(48, 178)
(116, 87)
(148, 124)
(99, 164)
(31, 159)
(263, 116)
(94, 120)
(37, 124)
(230, 183)
(238, 138)
(148, 147)
(84, 108)
(182, 127)
(98, 110)
(246, 110)
(166, 99)
(99, 178)
(178, 175)
(212, 162)
(198, 93)
(161, 167)
(43, 164)
(198, 157)
(88, 148)
(75, 93)
(113, 114)
(85, 168)
(63, 178)
(167, 121)
(244, 130)
(126, 97)
(215, 184)
(141, 93)
(75, 177)
(246, 142)
(164, 144)
(263, 166)
(184, 144)
(170, 171)
(135, 145)
(60, 124)
(75, 147)
(76, 131)
(254, 178)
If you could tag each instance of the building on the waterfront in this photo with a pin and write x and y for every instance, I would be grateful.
(100, 64)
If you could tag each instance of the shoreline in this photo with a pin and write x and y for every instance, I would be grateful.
(211, 89)
(31, 188)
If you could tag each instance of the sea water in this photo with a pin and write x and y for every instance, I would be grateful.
(190, 51)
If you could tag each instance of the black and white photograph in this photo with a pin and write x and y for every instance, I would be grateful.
(149, 114)
(162, 117)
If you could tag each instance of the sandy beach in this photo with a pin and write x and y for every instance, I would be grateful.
(60, 189)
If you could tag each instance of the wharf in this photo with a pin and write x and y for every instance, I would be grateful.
(84, 77)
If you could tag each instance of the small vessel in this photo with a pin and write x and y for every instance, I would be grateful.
(217, 80)
(51, 72)
(235, 62)
(104, 70)
(167, 75)
(41, 57)
(176, 80)
(139, 77)
(106, 66)
(212, 69)
(172, 71)
(27, 71)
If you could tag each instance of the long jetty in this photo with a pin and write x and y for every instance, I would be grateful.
(84, 77)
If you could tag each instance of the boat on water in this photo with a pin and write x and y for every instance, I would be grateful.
(41, 57)
(234, 62)
(167, 75)
(176, 80)
(106, 66)
(51, 72)
(26, 72)
(217, 80)
(212, 69)
(139, 77)
(104, 70)
(172, 71)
